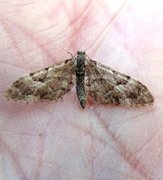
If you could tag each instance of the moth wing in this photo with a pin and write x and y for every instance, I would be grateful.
(107, 86)
(50, 83)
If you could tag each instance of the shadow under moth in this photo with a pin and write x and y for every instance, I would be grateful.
(101, 83)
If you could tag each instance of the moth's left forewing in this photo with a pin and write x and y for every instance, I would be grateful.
(50, 83)
(107, 86)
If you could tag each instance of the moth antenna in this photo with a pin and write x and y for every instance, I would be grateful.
(87, 56)
(69, 52)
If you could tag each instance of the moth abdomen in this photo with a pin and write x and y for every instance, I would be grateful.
(80, 91)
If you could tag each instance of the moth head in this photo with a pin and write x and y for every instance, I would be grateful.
(81, 53)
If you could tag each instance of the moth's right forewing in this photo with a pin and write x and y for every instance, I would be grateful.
(107, 86)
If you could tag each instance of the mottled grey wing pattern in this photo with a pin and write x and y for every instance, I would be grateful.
(107, 86)
(47, 84)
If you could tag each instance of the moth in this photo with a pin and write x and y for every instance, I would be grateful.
(92, 79)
